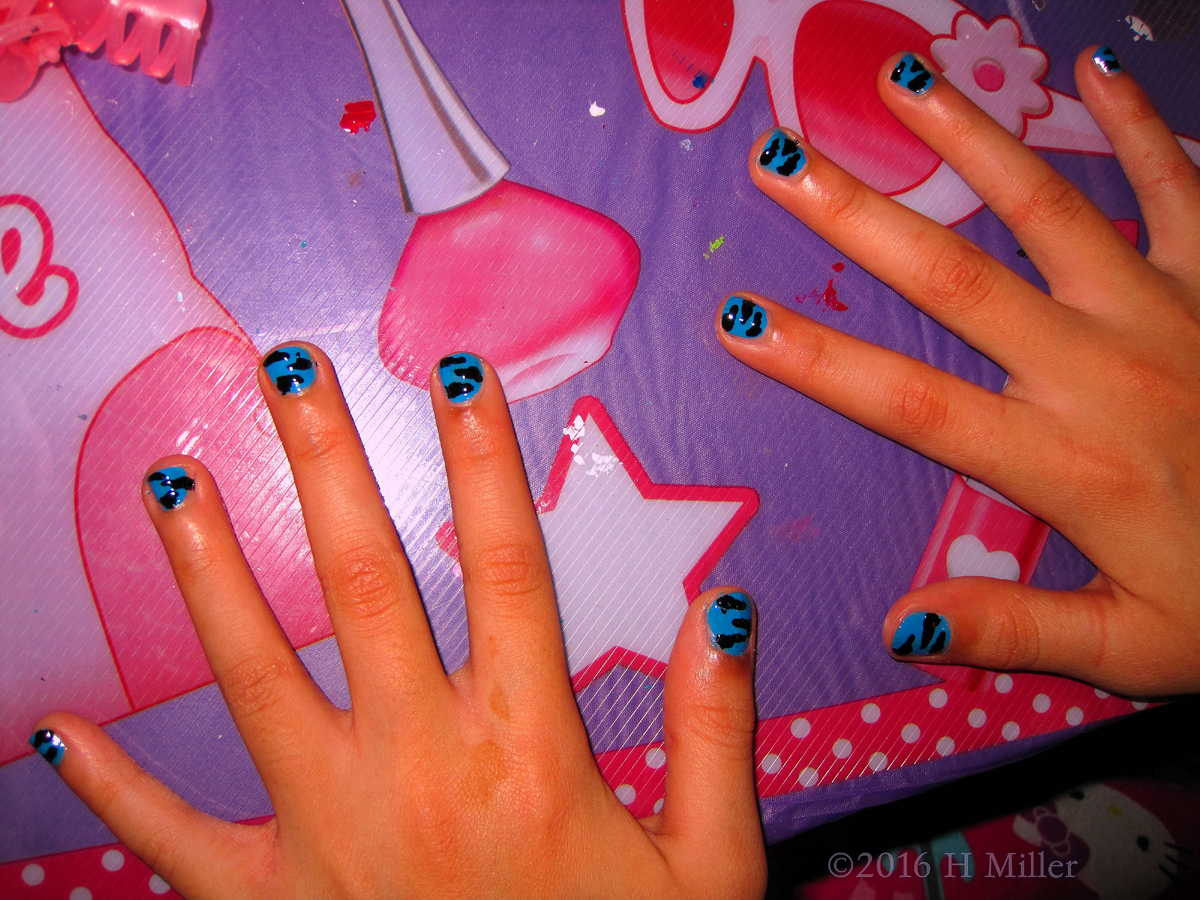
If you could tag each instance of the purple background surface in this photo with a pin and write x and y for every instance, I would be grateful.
(252, 166)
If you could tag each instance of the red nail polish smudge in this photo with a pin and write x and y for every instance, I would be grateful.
(358, 115)
(829, 296)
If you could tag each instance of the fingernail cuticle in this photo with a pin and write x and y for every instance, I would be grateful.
(910, 73)
(49, 745)
(170, 486)
(730, 618)
(781, 154)
(291, 368)
(921, 634)
(1106, 61)
(743, 318)
(461, 375)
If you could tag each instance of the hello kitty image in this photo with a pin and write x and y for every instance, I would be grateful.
(1123, 851)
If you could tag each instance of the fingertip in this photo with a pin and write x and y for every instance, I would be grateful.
(171, 482)
(291, 369)
(779, 157)
(742, 318)
(730, 622)
(459, 378)
(912, 632)
(906, 75)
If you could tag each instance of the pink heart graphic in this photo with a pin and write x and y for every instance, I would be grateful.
(197, 395)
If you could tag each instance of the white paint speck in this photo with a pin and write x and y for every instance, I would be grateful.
(596, 109)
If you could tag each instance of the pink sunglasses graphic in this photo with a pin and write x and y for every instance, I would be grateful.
(821, 59)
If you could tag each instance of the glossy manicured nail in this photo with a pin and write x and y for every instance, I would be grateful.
(910, 73)
(462, 376)
(921, 634)
(743, 318)
(291, 368)
(1106, 61)
(170, 486)
(730, 618)
(50, 745)
(781, 154)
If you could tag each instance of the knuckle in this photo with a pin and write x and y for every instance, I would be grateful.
(1015, 638)
(1052, 205)
(256, 684)
(363, 580)
(510, 570)
(320, 445)
(729, 729)
(919, 406)
(846, 206)
(959, 277)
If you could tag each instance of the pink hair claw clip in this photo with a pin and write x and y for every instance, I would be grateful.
(180, 19)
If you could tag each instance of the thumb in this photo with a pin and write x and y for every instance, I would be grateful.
(708, 725)
(1096, 635)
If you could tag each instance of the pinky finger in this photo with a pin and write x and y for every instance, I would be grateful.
(198, 855)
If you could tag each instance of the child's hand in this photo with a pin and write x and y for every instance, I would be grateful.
(1098, 429)
(480, 784)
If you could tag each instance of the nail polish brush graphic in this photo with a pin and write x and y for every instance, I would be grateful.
(532, 282)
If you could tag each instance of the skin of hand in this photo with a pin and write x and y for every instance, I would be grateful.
(1097, 431)
(480, 783)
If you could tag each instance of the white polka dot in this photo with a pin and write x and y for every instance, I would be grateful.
(656, 758)
(112, 860)
(33, 875)
(771, 763)
(658, 805)
(910, 733)
(1041, 703)
(945, 746)
(1074, 716)
(842, 748)
(870, 713)
(877, 761)
(976, 718)
(158, 886)
(625, 793)
(1103, 695)
(1003, 683)
(808, 777)
(1140, 704)
(937, 698)
(80, 893)
(800, 728)
(1011, 731)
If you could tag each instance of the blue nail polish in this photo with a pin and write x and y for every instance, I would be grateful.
(50, 745)
(462, 376)
(170, 486)
(729, 622)
(781, 154)
(910, 73)
(921, 634)
(292, 369)
(743, 318)
(1106, 61)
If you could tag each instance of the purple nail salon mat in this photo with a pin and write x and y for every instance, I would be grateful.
(590, 276)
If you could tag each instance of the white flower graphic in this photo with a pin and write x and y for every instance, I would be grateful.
(988, 63)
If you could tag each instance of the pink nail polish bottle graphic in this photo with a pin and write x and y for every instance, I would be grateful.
(533, 283)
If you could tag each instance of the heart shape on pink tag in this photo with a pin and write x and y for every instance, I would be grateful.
(968, 556)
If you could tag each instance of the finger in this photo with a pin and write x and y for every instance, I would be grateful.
(382, 632)
(1072, 243)
(943, 274)
(516, 642)
(196, 854)
(267, 689)
(708, 727)
(1095, 635)
(937, 414)
(1165, 180)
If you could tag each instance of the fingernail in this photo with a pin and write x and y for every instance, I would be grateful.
(170, 486)
(461, 375)
(781, 154)
(921, 634)
(1106, 61)
(910, 73)
(291, 368)
(743, 318)
(50, 745)
(730, 618)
